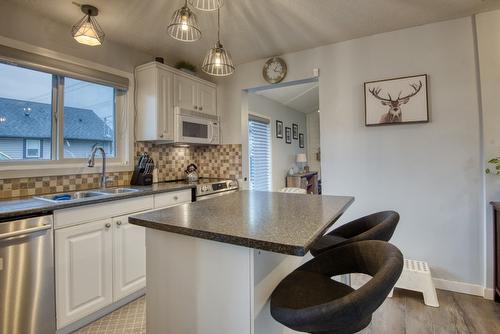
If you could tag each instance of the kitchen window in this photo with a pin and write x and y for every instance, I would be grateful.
(259, 150)
(52, 112)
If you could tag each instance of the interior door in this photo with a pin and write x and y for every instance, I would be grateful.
(207, 96)
(129, 251)
(83, 270)
(185, 93)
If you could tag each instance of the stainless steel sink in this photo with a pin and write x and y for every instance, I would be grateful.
(119, 190)
(72, 196)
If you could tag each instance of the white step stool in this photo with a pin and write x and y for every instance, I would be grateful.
(416, 276)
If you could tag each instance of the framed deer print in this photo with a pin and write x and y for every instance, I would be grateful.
(396, 101)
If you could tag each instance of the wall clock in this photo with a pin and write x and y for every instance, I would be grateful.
(274, 70)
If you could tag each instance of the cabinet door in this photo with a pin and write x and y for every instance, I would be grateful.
(165, 105)
(207, 97)
(129, 253)
(185, 93)
(83, 255)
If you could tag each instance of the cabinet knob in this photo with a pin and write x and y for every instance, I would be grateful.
(195, 107)
(119, 222)
(201, 108)
(108, 225)
(176, 198)
(161, 136)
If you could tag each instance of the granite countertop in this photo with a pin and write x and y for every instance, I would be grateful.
(29, 206)
(277, 222)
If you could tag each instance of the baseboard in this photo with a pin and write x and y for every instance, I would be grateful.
(467, 288)
(489, 294)
(101, 313)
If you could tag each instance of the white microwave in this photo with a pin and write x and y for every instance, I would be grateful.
(191, 127)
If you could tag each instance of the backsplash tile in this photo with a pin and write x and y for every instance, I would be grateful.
(221, 161)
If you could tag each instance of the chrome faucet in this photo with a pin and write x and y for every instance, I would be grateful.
(94, 150)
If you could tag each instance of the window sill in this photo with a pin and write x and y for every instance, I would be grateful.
(56, 169)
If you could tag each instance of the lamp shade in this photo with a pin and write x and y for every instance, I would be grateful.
(87, 31)
(301, 157)
(218, 61)
(207, 5)
(184, 25)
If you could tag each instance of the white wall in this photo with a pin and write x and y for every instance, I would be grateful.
(283, 154)
(488, 35)
(430, 173)
(313, 141)
(22, 24)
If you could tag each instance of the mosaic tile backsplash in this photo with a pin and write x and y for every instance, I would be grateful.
(221, 161)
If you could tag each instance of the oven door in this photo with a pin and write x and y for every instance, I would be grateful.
(196, 130)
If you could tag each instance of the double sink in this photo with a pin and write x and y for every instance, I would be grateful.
(86, 194)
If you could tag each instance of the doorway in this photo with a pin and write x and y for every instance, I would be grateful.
(283, 136)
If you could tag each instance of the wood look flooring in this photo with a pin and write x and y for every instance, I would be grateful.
(405, 313)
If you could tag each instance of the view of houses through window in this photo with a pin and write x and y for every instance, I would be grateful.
(27, 126)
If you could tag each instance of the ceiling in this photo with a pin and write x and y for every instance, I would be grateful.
(254, 29)
(302, 98)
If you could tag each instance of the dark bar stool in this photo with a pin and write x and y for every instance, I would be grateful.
(377, 226)
(308, 300)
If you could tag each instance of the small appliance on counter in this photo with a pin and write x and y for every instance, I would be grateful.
(191, 173)
(143, 171)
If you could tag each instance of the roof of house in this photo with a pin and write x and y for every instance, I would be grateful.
(26, 119)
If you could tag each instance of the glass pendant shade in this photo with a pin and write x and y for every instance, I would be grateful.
(87, 31)
(207, 5)
(184, 25)
(218, 62)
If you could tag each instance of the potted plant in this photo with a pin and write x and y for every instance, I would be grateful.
(186, 67)
(495, 166)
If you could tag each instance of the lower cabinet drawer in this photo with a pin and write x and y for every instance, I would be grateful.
(74, 216)
(172, 198)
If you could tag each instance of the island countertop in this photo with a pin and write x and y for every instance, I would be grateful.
(276, 222)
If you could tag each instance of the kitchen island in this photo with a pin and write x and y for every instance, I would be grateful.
(212, 265)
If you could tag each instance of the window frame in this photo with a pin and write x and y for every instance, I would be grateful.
(25, 147)
(264, 120)
(124, 124)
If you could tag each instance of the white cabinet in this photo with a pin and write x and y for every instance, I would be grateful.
(161, 88)
(83, 261)
(129, 257)
(155, 106)
(194, 95)
(186, 93)
(207, 97)
(99, 257)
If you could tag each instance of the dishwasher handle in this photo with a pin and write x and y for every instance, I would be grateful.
(25, 231)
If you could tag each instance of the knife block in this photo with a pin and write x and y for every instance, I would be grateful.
(141, 179)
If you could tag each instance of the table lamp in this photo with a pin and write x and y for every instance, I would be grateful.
(301, 160)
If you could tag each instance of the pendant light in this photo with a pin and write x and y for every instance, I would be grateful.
(87, 31)
(218, 60)
(207, 5)
(184, 26)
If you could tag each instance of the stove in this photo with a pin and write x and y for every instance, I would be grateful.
(208, 187)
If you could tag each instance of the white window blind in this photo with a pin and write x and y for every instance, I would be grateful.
(259, 150)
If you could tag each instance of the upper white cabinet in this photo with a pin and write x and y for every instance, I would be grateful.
(207, 97)
(194, 95)
(161, 89)
(154, 102)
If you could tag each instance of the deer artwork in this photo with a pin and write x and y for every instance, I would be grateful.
(394, 114)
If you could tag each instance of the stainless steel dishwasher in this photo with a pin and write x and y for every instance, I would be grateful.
(27, 302)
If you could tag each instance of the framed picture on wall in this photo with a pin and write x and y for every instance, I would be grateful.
(396, 101)
(295, 128)
(301, 140)
(279, 129)
(288, 135)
